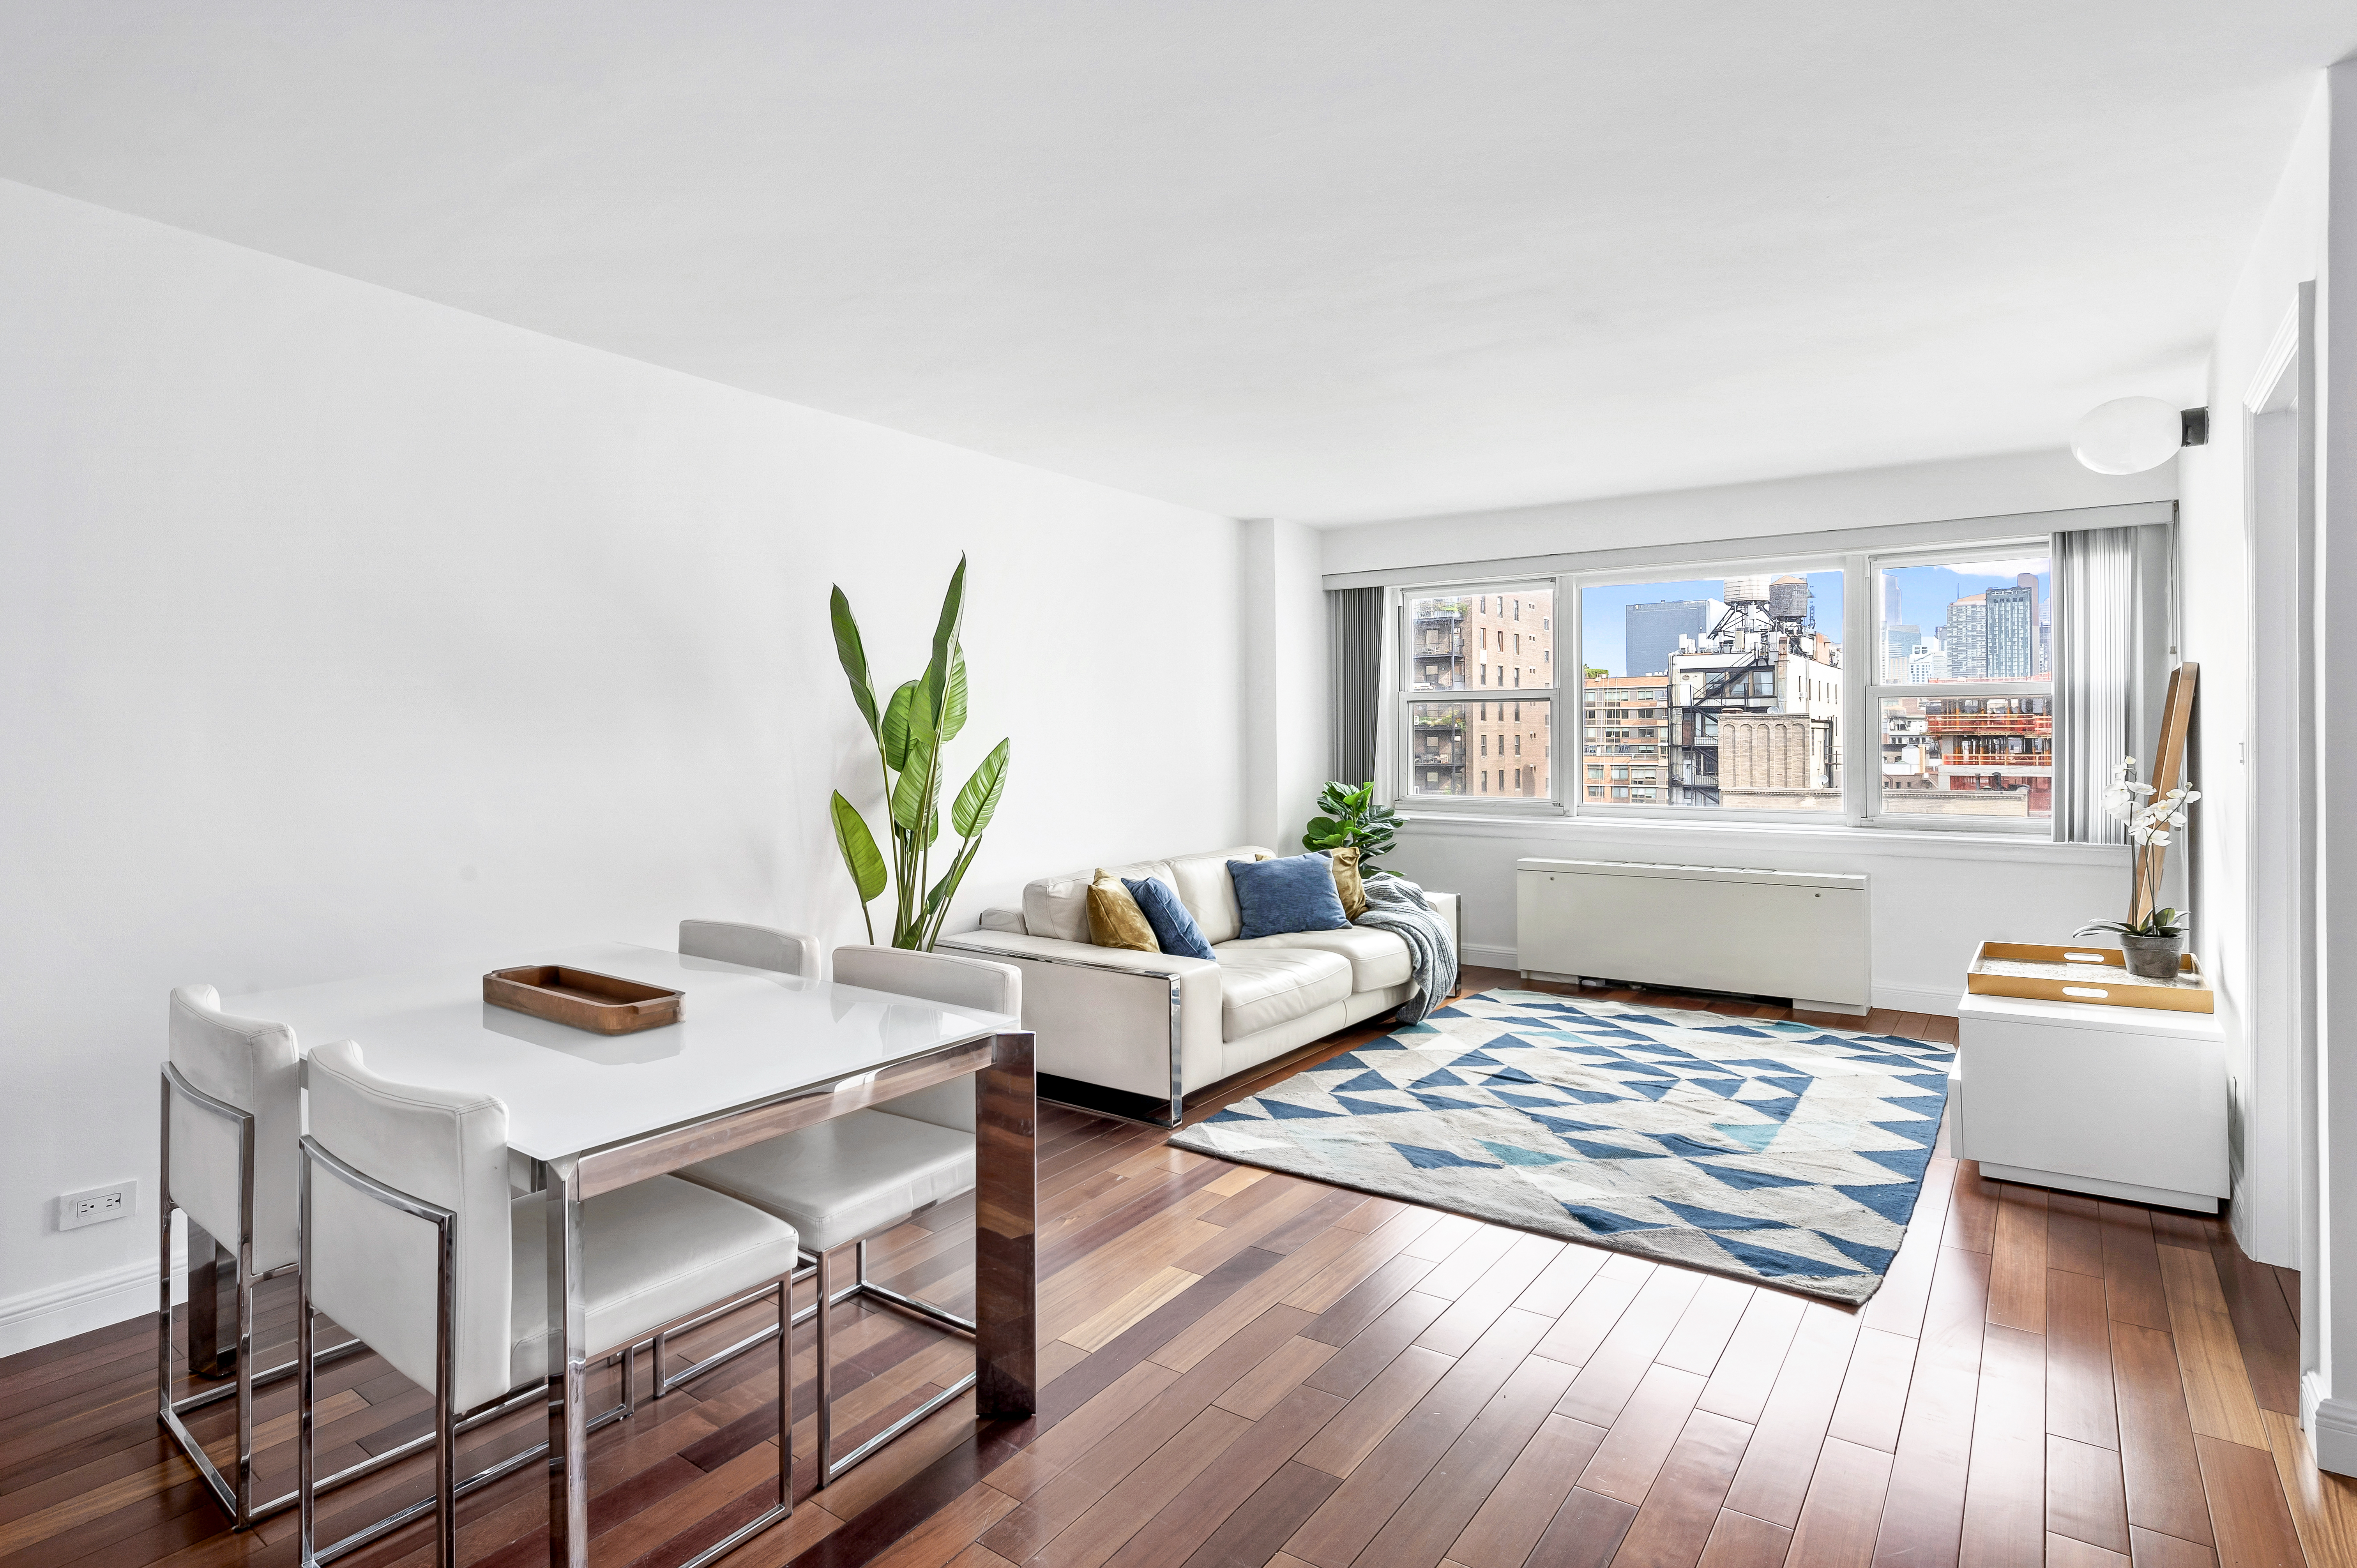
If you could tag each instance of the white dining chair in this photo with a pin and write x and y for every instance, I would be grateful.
(410, 1238)
(755, 946)
(231, 1116)
(843, 1181)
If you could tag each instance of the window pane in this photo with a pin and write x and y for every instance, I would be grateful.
(1436, 744)
(1722, 692)
(1972, 619)
(1486, 641)
(1443, 737)
(1437, 630)
(1968, 756)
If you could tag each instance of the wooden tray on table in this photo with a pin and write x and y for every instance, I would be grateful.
(583, 999)
(2096, 975)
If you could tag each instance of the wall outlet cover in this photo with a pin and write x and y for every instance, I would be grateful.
(95, 1206)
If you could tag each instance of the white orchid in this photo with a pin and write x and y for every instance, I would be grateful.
(2149, 821)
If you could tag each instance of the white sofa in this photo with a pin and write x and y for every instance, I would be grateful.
(1135, 1032)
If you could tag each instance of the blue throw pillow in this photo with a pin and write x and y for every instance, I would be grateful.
(1296, 894)
(1173, 928)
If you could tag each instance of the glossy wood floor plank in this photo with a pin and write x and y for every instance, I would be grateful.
(1251, 1371)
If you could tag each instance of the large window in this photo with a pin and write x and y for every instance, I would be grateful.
(1915, 689)
(1965, 694)
(1492, 650)
(1717, 692)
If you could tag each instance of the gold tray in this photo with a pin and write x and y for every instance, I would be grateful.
(2094, 975)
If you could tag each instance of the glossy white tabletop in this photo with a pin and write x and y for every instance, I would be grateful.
(744, 1036)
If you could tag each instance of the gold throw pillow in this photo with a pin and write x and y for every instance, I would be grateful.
(1114, 918)
(1347, 883)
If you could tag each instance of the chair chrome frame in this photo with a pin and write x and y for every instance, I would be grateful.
(830, 1469)
(235, 1496)
(822, 1265)
(450, 1423)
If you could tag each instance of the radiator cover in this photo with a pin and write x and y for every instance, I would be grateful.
(1801, 934)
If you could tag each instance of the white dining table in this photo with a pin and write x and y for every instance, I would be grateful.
(755, 1054)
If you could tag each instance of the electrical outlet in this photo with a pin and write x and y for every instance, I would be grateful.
(97, 1205)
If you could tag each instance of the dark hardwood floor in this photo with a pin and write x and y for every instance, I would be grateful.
(1246, 1369)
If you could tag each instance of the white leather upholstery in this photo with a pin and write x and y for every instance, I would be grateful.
(1377, 959)
(374, 1268)
(1058, 906)
(253, 1065)
(1102, 1014)
(651, 1251)
(953, 980)
(848, 1177)
(755, 946)
(1263, 987)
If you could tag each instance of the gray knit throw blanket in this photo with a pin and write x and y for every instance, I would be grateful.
(1397, 906)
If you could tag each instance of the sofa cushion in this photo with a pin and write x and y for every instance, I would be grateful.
(1058, 906)
(1296, 894)
(1175, 930)
(1202, 885)
(1377, 958)
(1261, 987)
(1349, 886)
(1114, 918)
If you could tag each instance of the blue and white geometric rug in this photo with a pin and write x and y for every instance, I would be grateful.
(1778, 1152)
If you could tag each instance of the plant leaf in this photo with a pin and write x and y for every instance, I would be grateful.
(972, 811)
(854, 657)
(909, 789)
(860, 856)
(898, 715)
(945, 638)
(954, 700)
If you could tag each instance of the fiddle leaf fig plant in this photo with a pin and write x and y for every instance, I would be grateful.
(911, 728)
(1349, 817)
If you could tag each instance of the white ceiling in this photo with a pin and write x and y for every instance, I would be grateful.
(1321, 261)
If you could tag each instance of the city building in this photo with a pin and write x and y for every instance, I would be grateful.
(2009, 632)
(1624, 739)
(1482, 745)
(1652, 632)
(1968, 755)
(1965, 638)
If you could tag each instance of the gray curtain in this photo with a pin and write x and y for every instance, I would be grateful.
(2095, 676)
(1357, 617)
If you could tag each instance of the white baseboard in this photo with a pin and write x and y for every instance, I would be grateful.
(38, 1317)
(1898, 998)
(2331, 1426)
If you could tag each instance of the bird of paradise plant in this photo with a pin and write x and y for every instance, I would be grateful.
(910, 730)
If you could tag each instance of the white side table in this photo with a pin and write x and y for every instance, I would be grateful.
(2126, 1103)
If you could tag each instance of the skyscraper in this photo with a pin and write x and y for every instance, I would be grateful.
(1651, 632)
(2009, 636)
(1965, 638)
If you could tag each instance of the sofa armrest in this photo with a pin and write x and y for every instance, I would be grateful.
(1113, 1016)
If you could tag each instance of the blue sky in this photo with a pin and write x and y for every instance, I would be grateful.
(1925, 592)
(1924, 595)
(1603, 619)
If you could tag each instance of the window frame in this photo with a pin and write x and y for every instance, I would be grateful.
(1872, 692)
(1862, 691)
(1406, 699)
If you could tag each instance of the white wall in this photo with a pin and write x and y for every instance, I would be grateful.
(1994, 486)
(2215, 602)
(1287, 655)
(349, 633)
(1934, 898)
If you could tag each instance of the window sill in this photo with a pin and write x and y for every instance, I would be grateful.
(1679, 840)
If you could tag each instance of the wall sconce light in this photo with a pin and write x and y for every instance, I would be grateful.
(2129, 434)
